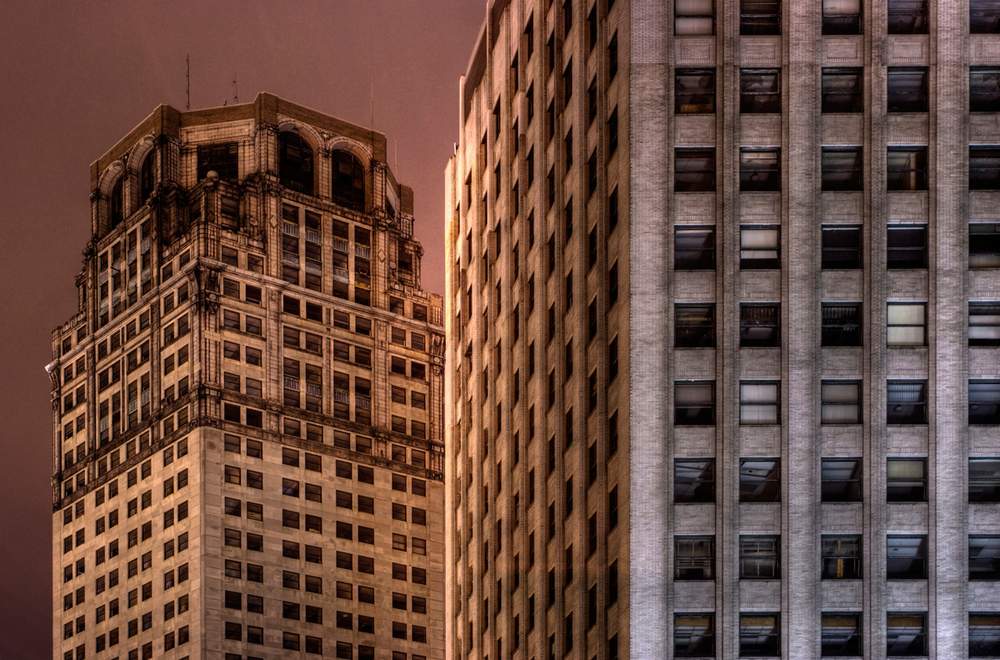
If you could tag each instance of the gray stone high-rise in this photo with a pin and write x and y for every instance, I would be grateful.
(723, 321)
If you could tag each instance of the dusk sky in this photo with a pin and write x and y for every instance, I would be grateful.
(77, 76)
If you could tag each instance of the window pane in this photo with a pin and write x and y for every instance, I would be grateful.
(694, 635)
(906, 324)
(984, 245)
(843, 168)
(694, 557)
(906, 480)
(694, 91)
(906, 634)
(760, 90)
(841, 324)
(841, 479)
(694, 170)
(841, 247)
(906, 168)
(760, 557)
(906, 89)
(694, 403)
(760, 17)
(984, 557)
(760, 247)
(760, 170)
(694, 248)
(984, 168)
(984, 18)
(693, 17)
(842, 559)
(841, 402)
(841, 16)
(906, 402)
(984, 324)
(759, 403)
(907, 17)
(843, 90)
(984, 479)
(760, 635)
(906, 557)
(841, 634)
(984, 88)
(760, 324)
(760, 480)
(694, 326)
(984, 402)
(694, 480)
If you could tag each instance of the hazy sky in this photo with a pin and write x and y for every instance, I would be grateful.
(78, 75)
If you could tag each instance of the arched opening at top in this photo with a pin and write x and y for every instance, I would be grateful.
(147, 177)
(295, 162)
(116, 205)
(348, 180)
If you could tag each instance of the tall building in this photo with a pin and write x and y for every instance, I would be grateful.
(248, 453)
(723, 290)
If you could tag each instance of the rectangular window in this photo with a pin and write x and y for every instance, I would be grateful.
(760, 403)
(760, 557)
(760, 91)
(906, 557)
(907, 324)
(984, 87)
(840, 402)
(760, 325)
(905, 634)
(842, 557)
(906, 246)
(984, 632)
(694, 403)
(694, 170)
(760, 247)
(694, 247)
(841, 247)
(694, 325)
(906, 168)
(984, 168)
(984, 402)
(984, 18)
(760, 480)
(984, 245)
(841, 479)
(984, 479)
(841, 324)
(906, 402)
(694, 480)
(843, 168)
(906, 480)
(694, 557)
(907, 17)
(693, 17)
(694, 90)
(694, 635)
(842, 17)
(760, 635)
(760, 17)
(841, 634)
(843, 90)
(760, 169)
(906, 89)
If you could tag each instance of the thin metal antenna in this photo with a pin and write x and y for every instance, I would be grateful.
(187, 59)
(236, 90)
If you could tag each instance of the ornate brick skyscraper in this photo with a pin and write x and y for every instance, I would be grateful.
(723, 320)
(248, 453)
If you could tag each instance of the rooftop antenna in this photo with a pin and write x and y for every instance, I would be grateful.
(187, 60)
(236, 90)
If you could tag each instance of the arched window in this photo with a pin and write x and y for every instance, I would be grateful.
(116, 205)
(348, 180)
(295, 162)
(147, 177)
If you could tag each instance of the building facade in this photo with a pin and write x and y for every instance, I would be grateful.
(723, 366)
(247, 406)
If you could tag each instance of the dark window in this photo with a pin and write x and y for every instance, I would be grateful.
(694, 17)
(694, 91)
(694, 635)
(147, 176)
(984, 402)
(694, 480)
(906, 246)
(841, 247)
(760, 90)
(906, 480)
(843, 168)
(842, 324)
(760, 635)
(984, 479)
(906, 557)
(760, 17)
(907, 17)
(694, 403)
(984, 557)
(694, 557)
(906, 89)
(843, 90)
(984, 18)
(116, 210)
(984, 168)
(295, 162)
(984, 89)
(760, 324)
(760, 557)
(219, 158)
(984, 634)
(694, 326)
(760, 169)
(694, 170)
(984, 245)
(841, 634)
(841, 479)
(760, 480)
(842, 558)
(842, 17)
(906, 168)
(760, 247)
(694, 247)
(905, 634)
(348, 185)
(906, 402)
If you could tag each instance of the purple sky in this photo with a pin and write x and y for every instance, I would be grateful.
(79, 75)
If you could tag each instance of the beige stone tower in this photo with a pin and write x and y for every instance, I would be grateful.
(248, 452)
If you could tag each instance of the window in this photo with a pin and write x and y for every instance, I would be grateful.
(694, 170)
(907, 324)
(906, 246)
(694, 247)
(906, 89)
(842, 17)
(220, 158)
(760, 169)
(906, 557)
(760, 480)
(841, 247)
(760, 402)
(984, 245)
(984, 634)
(693, 17)
(907, 17)
(984, 88)
(841, 634)
(760, 17)
(760, 557)
(842, 558)
(694, 635)
(905, 634)
(694, 480)
(984, 557)
(984, 16)
(348, 185)
(840, 402)
(295, 162)
(760, 324)
(694, 325)
(760, 247)
(906, 168)
(906, 480)
(984, 479)
(984, 402)
(694, 403)
(984, 168)
(760, 91)
(843, 168)
(694, 557)
(694, 89)
(843, 89)
(841, 324)
(841, 479)
(760, 635)
(906, 402)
